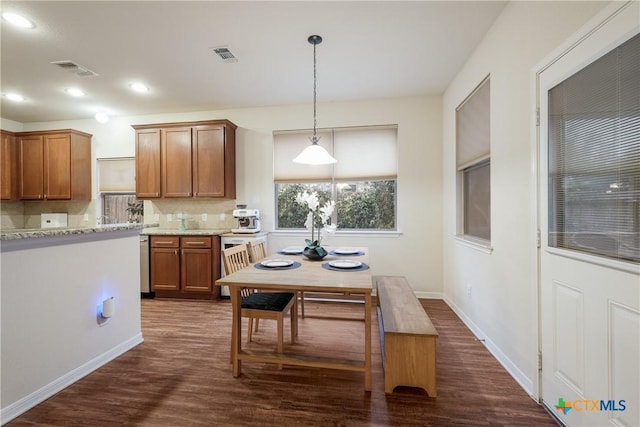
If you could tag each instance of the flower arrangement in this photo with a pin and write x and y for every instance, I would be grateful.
(317, 219)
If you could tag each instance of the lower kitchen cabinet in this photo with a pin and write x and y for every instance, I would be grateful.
(185, 266)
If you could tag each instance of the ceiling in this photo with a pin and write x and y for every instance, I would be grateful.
(371, 50)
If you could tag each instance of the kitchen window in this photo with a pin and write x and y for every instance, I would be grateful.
(117, 187)
(363, 182)
(473, 164)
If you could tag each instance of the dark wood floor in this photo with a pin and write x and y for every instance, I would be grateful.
(181, 376)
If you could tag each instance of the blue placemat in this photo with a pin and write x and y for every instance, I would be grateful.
(259, 266)
(361, 267)
(359, 253)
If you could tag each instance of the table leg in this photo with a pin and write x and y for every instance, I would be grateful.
(236, 329)
(367, 342)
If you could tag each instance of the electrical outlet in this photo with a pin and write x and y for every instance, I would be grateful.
(156, 217)
(85, 217)
(469, 290)
(204, 217)
(222, 216)
(169, 217)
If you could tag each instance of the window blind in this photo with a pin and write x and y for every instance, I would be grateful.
(594, 157)
(473, 134)
(363, 153)
(117, 175)
(287, 145)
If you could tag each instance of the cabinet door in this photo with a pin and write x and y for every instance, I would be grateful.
(208, 161)
(196, 264)
(165, 269)
(31, 158)
(8, 171)
(196, 270)
(148, 163)
(176, 162)
(57, 167)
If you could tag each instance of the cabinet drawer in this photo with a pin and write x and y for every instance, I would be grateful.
(165, 241)
(195, 242)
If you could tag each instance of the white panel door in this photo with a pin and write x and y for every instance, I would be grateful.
(589, 305)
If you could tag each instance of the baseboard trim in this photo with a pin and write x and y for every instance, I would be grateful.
(506, 363)
(19, 407)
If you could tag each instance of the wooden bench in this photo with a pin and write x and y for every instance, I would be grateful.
(407, 336)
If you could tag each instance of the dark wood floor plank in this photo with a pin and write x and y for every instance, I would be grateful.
(181, 376)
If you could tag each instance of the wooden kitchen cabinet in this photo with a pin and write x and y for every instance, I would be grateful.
(8, 166)
(188, 159)
(185, 266)
(176, 169)
(54, 165)
(148, 163)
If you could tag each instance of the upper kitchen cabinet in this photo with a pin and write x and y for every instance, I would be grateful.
(187, 159)
(147, 163)
(9, 167)
(54, 165)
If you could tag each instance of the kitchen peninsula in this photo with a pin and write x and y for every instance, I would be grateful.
(53, 283)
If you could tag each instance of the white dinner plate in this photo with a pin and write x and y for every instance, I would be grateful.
(345, 263)
(346, 251)
(292, 251)
(276, 263)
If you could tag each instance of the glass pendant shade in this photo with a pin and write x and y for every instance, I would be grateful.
(314, 154)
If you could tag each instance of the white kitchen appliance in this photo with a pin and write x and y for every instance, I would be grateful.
(248, 220)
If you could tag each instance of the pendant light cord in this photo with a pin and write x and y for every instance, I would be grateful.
(315, 141)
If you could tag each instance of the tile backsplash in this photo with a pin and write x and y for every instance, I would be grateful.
(199, 214)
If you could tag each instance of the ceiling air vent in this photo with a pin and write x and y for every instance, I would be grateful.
(225, 54)
(74, 68)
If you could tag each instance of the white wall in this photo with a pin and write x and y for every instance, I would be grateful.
(502, 305)
(415, 252)
(50, 299)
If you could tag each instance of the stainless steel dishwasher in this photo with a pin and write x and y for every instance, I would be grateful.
(145, 282)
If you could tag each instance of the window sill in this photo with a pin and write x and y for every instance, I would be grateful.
(355, 233)
(481, 245)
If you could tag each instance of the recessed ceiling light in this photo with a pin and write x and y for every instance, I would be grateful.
(18, 20)
(102, 117)
(74, 91)
(139, 87)
(15, 97)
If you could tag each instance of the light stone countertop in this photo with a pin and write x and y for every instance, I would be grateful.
(155, 231)
(36, 233)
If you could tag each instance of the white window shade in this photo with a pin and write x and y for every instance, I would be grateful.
(287, 145)
(365, 153)
(117, 175)
(473, 127)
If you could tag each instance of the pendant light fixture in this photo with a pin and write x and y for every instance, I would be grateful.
(314, 154)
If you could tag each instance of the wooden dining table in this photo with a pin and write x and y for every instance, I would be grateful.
(310, 276)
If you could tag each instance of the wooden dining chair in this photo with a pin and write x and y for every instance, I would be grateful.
(261, 305)
(257, 250)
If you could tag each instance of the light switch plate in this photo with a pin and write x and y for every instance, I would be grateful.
(204, 217)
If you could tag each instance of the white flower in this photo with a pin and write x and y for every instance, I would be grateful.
(326, 211)
(317, 214)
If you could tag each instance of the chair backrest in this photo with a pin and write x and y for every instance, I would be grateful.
(257, 250)
(235, 258)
